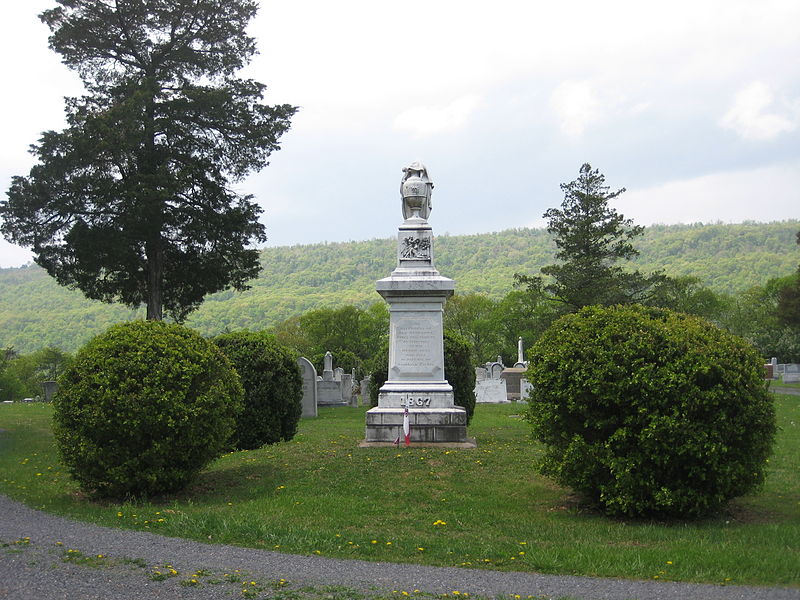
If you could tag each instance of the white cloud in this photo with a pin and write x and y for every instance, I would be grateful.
(755, 116)
(13, 256)
(426, 120)
(577, 107)
(763, 194)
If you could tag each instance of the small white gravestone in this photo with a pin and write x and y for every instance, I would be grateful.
(491, 389)
(309, 374)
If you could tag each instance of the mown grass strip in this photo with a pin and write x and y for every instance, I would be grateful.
(321, 494)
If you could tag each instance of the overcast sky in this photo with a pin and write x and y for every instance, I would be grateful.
(693, 106)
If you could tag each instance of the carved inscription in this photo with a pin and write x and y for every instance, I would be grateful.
(416, 401)
(416, 345)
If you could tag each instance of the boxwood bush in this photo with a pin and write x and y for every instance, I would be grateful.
(273, 388)
(143, 408)
(460, 371)
(650, 412)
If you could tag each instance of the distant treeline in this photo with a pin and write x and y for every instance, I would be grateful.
(35, 312)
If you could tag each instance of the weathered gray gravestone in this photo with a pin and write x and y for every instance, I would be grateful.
(309, 374)
(416, 293)
(791, 373)
(49, 388)
(327, 368)
(329, 391)
(347, 388)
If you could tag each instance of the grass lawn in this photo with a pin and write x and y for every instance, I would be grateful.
(486, 507)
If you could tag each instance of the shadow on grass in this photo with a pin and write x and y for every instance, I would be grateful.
(232, 480)
(737, 511)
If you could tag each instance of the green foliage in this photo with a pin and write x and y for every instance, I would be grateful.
(22, 375)
(273, 389)
(459, 370)
(650, 412)
(143, 408)
(36, 312)
(473, 317)
(788, 305)
(758, 316)
(343, 359)
(133, 202)
(686, 295)
(378, 373)
(591, 238)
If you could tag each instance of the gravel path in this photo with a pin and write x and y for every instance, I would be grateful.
(33, 567)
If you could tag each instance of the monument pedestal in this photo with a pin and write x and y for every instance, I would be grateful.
(416, 293)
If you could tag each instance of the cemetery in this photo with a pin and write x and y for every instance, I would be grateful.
(412, 445)
(572, 411)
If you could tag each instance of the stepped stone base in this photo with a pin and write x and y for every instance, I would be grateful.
(427, 425)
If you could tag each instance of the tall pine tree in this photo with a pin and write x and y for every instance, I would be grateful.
(591, 239)
(133, 201)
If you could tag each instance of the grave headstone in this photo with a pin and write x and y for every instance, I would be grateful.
(491, 389)
(791, 373)
(49, 388)
(327, 369)
(347, 388)
(513, 377)
(309, 375)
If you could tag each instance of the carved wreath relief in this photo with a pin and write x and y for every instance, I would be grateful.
(416, 248)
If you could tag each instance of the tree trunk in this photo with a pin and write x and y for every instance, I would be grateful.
(155, 281)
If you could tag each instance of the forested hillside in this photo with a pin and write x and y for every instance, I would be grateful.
(36, 312)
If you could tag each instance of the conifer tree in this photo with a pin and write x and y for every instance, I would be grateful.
(591, 238)
(133, 202)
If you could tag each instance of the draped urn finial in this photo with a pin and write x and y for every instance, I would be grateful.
(415, 191)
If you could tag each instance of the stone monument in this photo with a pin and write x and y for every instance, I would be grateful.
(416, 293)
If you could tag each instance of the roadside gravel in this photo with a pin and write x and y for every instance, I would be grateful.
(37, 570)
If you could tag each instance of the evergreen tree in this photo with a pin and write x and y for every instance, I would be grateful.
(789, 300)
(133, 201)
(591, 238)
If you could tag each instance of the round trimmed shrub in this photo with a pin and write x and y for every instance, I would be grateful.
(650, 412)
(273, 388)
(143, 408)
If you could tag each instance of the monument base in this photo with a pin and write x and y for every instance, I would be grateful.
(426, 425)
